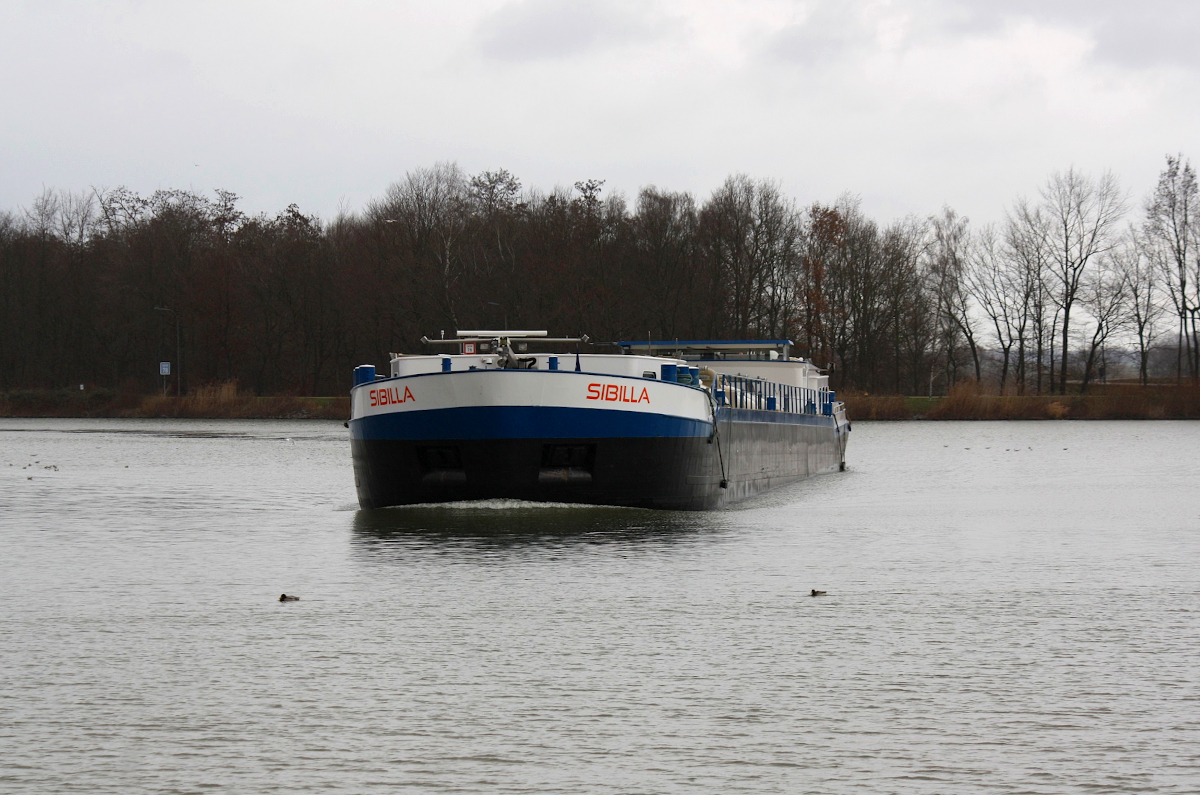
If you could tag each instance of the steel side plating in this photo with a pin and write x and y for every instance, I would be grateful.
(649, 430)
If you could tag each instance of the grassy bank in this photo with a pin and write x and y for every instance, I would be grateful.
(222, 401)
(968, 402)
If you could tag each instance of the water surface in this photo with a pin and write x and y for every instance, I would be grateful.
(1012, 607)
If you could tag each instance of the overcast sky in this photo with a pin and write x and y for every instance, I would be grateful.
(911, 104)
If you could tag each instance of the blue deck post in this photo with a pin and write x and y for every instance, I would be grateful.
(364, 374)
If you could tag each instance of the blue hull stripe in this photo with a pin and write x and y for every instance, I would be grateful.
(524, 422)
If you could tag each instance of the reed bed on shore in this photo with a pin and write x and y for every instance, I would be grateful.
(966, 401)
(969, 401)
(213, 401)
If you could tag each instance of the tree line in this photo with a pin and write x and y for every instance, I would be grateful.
(97, 288)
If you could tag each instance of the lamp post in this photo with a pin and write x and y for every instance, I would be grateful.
(178, 348)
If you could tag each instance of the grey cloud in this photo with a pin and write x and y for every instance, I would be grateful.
(830, 31)
(1146, 33)
(1141, 34)
(533, 30)
(1140, 37)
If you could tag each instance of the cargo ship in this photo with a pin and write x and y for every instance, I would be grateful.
(678, 424)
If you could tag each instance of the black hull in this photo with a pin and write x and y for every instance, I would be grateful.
(679, 473)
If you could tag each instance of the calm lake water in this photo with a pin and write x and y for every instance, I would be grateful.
(1012, 607)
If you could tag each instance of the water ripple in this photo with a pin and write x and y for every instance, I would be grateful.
(994, 622)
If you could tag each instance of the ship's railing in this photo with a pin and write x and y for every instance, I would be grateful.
(739, 392)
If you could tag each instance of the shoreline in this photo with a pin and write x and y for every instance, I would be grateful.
(1114, 403)
(968, 403)
(204, 405)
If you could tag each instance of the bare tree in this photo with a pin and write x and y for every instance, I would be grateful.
(1082, 216)
(825, 231)
(77, 216)
(496, 203)
(1027, 243)
(1143, 286)
(1104, 297)
(1000, 285)
(1170, 233)
(751, 234)
(777, 242)
(913, 326)
(946, 268)
(885, 306)
(430, 207)
(664, 230)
